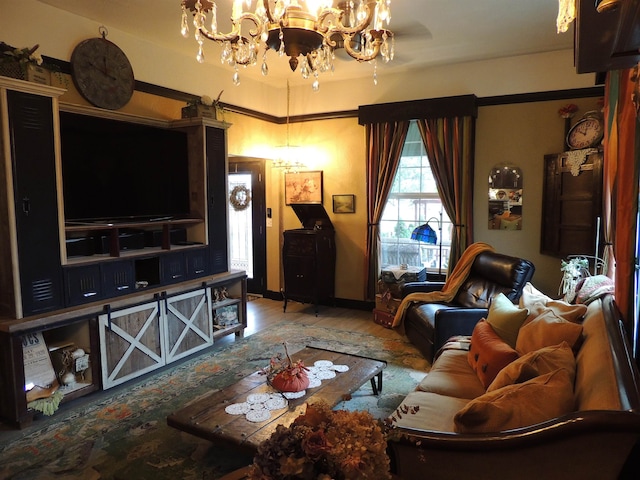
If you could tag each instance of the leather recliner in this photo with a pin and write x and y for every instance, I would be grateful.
(429, 325)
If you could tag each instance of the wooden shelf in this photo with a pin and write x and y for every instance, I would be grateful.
(89, 226)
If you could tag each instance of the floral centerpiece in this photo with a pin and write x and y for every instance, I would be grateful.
(324, 444)
(285, 375)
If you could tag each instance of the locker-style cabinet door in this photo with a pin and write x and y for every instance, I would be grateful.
(31, 133)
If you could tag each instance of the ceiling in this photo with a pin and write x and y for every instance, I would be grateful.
(428, 32)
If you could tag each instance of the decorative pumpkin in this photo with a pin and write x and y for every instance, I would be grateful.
(294, 380)
(286, 375)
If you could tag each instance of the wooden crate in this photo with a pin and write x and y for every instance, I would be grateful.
(382, 317)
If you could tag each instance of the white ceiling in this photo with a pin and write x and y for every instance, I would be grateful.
(428, 32)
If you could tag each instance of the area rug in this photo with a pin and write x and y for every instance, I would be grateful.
(124, 435)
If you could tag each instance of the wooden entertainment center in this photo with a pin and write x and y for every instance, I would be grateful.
(122, 311)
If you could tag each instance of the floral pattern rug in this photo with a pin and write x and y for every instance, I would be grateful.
(123, 434)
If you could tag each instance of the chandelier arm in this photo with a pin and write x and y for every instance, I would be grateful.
(338, 27)
(234, 35)
(375, 46)
(267, 10)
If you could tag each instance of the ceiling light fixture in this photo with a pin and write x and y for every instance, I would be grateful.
(289, 155)
(311, 29)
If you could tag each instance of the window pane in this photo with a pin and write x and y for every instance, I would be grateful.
(413, 201)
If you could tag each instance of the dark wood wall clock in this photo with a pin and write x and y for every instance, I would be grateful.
(102, 73)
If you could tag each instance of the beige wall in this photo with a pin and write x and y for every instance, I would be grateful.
(520, 133)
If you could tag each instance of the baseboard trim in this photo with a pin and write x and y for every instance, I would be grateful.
(338, 302)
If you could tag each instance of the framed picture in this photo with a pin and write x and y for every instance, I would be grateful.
(344, 203)
(303, 187)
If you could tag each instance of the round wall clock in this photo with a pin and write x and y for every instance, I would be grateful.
(587, 132)
(102, 73)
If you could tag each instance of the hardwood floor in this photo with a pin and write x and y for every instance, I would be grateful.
(263, 313)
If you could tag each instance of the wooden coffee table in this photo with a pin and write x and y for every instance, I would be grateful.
(205, 417)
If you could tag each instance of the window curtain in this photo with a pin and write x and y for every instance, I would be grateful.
(621, 186)
(449, 143)
(384, 147)
(452, 121)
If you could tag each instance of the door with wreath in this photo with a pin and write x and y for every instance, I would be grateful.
(247, 221)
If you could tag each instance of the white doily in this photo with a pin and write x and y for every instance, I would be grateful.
(258, 406)
(575, 159)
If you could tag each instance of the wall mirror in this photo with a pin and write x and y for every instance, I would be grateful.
(505, 198)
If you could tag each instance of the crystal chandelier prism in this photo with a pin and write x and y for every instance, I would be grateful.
(306, 31)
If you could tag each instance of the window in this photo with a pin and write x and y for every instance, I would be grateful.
(413, 201)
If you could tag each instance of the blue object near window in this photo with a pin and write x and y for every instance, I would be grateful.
(424, 233)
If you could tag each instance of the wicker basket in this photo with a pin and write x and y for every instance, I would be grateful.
(13, 70)
(28, 71)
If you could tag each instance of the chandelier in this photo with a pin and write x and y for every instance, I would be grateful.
(307, 31)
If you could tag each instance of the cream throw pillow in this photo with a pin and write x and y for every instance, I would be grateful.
(537, 400)
(506, 318)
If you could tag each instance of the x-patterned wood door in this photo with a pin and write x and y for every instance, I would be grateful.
(189, 323)
(131, 343)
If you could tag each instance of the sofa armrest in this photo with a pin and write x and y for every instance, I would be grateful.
(590, 444)
(420, 287)
(450, 322)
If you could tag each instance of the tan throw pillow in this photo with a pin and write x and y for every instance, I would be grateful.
(488, 353)
(536, 363)
(546, 330)
(537, 400)
(506, 318)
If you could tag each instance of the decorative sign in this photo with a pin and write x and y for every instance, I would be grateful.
(39, 376)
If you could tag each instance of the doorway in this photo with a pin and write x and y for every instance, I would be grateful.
(247, 221)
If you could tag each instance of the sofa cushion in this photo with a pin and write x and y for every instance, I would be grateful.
(452, 376)
(537, 303)
(537, 400)
(546, 330)
(506, 318)
(488, 353)
(596, 385)
(434, 412)
(536, 363)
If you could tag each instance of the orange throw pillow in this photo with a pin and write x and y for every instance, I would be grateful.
(488, 353)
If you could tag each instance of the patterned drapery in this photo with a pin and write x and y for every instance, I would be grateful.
(622, 134)
(384, 147)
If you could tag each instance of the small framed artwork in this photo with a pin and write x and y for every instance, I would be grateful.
(303, 187)
(344, 203)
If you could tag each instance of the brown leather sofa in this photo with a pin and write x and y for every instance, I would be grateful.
(593, 441)
(429, 325)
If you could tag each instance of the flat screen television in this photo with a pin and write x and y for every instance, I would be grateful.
(115, 171)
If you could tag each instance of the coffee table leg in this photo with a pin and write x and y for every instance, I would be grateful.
(376, 386)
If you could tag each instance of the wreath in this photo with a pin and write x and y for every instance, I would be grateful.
(240, 198)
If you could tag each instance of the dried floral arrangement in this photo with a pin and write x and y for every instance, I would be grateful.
(568, 111)
(20, 55)
(325, 444)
